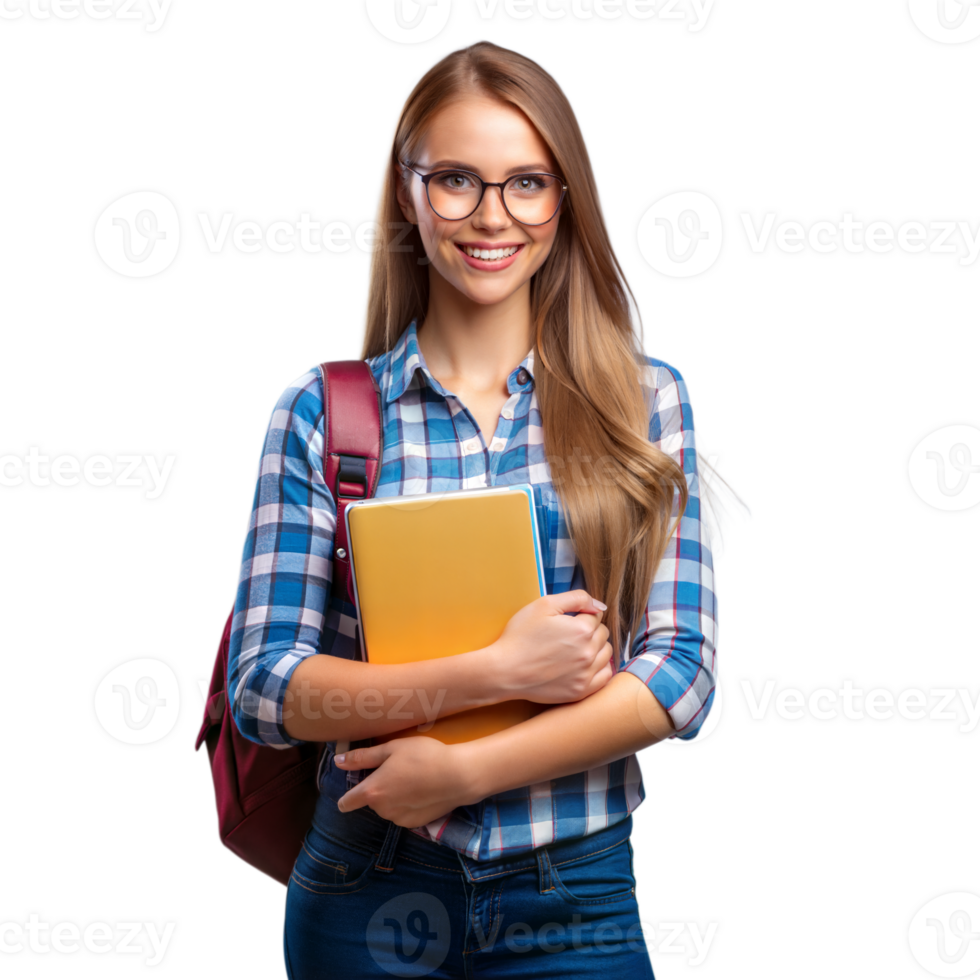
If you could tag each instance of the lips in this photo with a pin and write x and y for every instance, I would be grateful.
(488, 257)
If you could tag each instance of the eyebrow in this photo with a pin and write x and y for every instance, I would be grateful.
(524, 168)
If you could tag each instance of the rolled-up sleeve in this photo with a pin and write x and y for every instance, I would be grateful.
(286, 566)
(673, 649)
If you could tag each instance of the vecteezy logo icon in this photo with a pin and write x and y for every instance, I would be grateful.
(409, 935)
(944, 468)
(680, 235)
(690, 224)
(944, 935)
(408, 21)
(137, 702)
(947, 21)
(146, 222)
(146, 691)
(138, 235)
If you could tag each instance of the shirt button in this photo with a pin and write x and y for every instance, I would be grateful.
(508, 413)
(497, 445)
(523, 377)
(471, 446)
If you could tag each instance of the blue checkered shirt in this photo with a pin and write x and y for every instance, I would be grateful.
(285, 612)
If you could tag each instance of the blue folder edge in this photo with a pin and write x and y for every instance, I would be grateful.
(529, 491)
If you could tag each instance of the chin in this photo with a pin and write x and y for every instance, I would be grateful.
(487, 297)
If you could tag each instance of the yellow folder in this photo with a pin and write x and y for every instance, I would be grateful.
(439, 574)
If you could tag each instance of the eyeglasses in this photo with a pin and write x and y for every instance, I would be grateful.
(530, 199)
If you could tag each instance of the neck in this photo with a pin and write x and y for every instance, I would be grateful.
(463, 339)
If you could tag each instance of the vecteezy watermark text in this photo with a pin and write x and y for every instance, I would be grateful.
(854, 704)
(152, 13)
(36, 936)
(97, 470)
(409, 935)
(368, 703)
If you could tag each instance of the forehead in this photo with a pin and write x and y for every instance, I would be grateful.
(487, 134)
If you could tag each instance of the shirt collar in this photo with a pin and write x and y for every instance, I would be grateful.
(405, 359)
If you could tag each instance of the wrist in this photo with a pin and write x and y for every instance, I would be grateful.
(487, 676)
(474, 769)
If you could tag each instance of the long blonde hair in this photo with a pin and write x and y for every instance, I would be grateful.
(588, 360)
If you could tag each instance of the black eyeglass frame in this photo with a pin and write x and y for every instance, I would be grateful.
(484, 184)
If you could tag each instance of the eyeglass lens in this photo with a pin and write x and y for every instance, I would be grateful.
(531, 199)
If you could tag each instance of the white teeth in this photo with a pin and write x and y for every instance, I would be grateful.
(490, 254)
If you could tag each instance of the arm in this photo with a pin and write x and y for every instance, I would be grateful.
(673, 652)
(543, 655)
(329, 699)
(421, 779)
(294, 671)
(621, 719)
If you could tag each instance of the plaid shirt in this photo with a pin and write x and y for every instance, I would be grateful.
(284, 610)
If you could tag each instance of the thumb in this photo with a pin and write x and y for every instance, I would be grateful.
(578, 600)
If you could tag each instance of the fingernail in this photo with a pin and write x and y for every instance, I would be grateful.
(600, 605)
(340, 758)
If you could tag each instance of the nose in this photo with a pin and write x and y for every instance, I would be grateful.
(491, 214)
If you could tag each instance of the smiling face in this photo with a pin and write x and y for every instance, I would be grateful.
(495, 141)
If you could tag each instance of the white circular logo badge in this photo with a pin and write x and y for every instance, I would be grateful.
(138, 235)
(944, 935)
(681, 234)
(408, 936)
(138, 702)
(408, 21)
(947, 21)
(944, 469)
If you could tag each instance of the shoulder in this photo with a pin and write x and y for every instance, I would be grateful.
(664, 388)
(305, 394)
(658, 373)
(302, 400)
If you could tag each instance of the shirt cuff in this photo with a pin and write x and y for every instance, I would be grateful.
(686, 700)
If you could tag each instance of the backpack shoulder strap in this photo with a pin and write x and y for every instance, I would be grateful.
(352, 455)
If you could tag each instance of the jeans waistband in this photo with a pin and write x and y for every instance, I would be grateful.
(365, 830)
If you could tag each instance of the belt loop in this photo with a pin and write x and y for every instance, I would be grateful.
(545, 884)
(386, 859)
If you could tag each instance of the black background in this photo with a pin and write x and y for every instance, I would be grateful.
(814, 376)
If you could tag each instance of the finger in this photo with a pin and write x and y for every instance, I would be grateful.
(369, 757)
(599, 636)
(602, 658)
(602, 677)
(599, 681)
(577, 600)
(353, 799)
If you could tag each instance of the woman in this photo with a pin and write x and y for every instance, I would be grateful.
(500, 334)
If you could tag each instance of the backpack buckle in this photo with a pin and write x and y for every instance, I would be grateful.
(352, 470)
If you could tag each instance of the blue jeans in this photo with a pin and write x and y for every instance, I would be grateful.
(367, 899)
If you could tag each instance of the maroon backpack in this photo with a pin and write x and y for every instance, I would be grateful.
(266, 796)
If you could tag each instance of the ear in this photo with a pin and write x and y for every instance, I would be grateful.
(403, 178)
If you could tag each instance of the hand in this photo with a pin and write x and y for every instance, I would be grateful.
(415, 780)
(548, 657)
